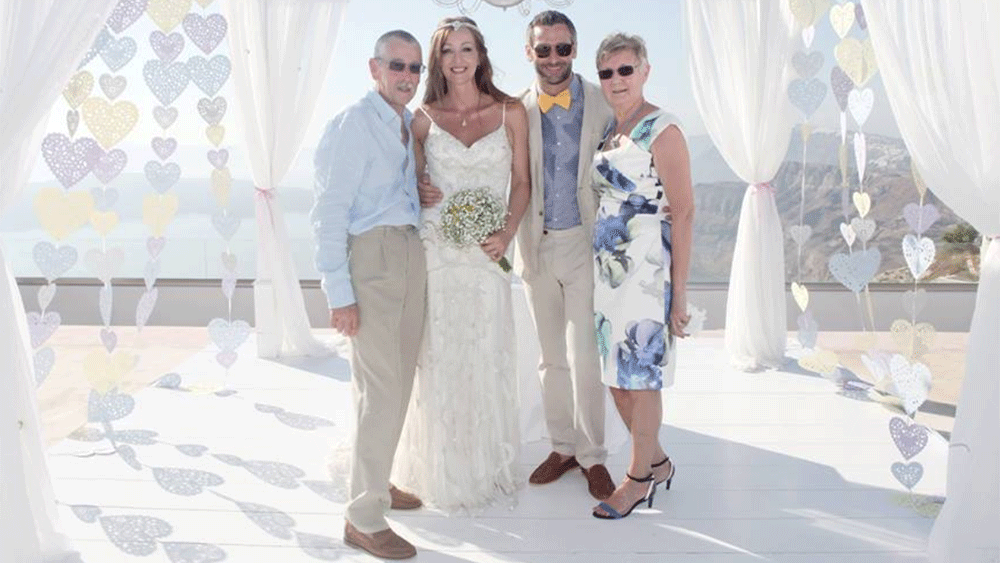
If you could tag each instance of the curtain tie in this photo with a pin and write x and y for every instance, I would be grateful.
(266, 196)
(763, 188)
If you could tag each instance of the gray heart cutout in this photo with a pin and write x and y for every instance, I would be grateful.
(86, 512)
(51, 261)
(192, 450)
(44, 360)
(320, 547)
(185, 552)
(185, 482)
(329, 490)
(908, 474)
(910, 439)
(271, 520)
(108, 407)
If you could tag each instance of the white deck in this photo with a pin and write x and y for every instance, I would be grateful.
(772, 466)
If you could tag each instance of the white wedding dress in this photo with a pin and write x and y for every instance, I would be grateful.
(459, 450)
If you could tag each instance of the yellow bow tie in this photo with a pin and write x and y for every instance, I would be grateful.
(545, 101)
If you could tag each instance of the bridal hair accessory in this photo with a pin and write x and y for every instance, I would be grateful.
(458, 24)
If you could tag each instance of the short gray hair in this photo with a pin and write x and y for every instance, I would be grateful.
(619, 42)
(383, 42)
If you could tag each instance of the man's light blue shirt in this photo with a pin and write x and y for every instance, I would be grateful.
(561, 133)
(365, 178)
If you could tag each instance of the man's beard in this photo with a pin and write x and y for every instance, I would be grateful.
(557, 80)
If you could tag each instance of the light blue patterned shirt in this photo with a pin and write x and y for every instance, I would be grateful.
(365, 178)
(561, 130)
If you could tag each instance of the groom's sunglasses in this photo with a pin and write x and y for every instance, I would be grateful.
(543, 50)
(399, 66)
(623, 71)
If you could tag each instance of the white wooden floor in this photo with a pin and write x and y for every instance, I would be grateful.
(775, 466)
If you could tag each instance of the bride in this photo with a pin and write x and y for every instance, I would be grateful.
(459, 448)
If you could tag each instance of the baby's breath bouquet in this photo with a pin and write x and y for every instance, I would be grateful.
(470, 216)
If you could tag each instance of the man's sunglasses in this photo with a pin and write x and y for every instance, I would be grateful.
(623, 71)
(399, 66)
(543, 50)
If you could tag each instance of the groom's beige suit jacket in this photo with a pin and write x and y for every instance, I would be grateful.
(596, 114)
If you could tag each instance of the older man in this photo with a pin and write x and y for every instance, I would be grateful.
(373, 273)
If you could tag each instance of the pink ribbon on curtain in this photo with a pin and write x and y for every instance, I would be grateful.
(760, 189)
(266, 196)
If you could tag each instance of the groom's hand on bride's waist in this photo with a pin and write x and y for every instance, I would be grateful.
(430, 195)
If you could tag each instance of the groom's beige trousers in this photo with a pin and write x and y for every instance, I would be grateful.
(561, 294)
(389, 277)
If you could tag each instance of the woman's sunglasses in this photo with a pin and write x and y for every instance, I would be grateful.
(399, 66)
(623, 71)
(543, 50)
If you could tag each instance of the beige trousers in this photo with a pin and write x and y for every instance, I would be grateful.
(562, 303)
(389, 277)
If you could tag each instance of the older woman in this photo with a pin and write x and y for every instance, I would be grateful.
(642, 259)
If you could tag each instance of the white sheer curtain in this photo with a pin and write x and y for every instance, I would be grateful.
(41, 42)
(940, 62)
(281, 50)
(739, 60)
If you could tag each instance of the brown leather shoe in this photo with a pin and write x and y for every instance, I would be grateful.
(551, 469)
(599, 481)
(384, 544)
(402, 500)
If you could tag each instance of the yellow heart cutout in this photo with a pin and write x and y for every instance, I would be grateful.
(61, 213)
(801, 295)
(857, 59)
(221, 182)
(822, 362)
(103, 221)
(168, 14)
(104, 371)
(912, 341)
(78, 88)
(842, 18)
(215, 133)
(808, 12)
(158, 211)
(109, 122)
(862, 202)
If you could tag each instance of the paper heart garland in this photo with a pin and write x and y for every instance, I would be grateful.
(117, 52)
(857, 59)
(108, 166)
(855, 270)
(806, 65)
(205, 32)
(168, 14)
(847, 231)
(72, 121)
(165, 80)
(165, 117)
(842, 18)
(125, 13)
(808, 12)
(150, 273)
(69, 161)
(60, 213)
(807, 95)
(863, 228)
(218, 158)
(808, 330)
(910, 439)
(135, 535)
(861, 155)
(44, 360)
(104, 264)
(103, 221)
(800, 233)
(801, 295)
(841, 85)
(53, 262)
(911, 382)
(105, 302)
(163, 147)
(823, 362)
(215, 133)
(109, 339)
(144, 309)
(109, 123)
(808, 34)
(919, 254)
(861, 102)
(162, 176)
(158, 211)
(209, 74)
(228, 336)
(221, 183)
(104, 371)
(908, 474)
(912, 340)
(920, 217)
(154, 245)
(78, 88)
(42, 327)
(229, 261)
(166, 47)
(45, 295)
(212, 110)
(862, 202)
(225, 224)
(109, 406)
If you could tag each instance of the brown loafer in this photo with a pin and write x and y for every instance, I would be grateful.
(402, 500)
(551, 469)
(384, 544)
(599, 481)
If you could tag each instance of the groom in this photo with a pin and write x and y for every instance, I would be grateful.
(372, 265)
(567, 117)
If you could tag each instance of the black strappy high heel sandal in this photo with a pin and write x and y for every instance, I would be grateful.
(613, 514)
(670, 476)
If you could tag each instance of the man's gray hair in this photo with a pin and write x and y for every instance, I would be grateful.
(619, 42)
(383, 42)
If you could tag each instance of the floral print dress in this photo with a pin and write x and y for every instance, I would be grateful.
(632, 262)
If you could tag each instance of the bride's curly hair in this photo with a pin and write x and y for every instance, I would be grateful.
(437, 85)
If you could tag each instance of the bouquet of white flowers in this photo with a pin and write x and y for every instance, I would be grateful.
(471, 216)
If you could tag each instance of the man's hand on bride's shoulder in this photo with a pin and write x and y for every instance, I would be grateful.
(430, 195)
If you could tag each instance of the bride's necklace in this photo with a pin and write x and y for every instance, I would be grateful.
(473, 108)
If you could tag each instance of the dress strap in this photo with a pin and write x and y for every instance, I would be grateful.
(425, 112)
(503, 115)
